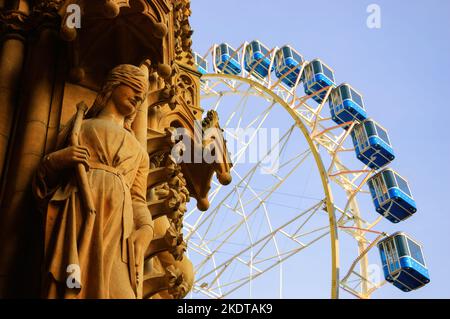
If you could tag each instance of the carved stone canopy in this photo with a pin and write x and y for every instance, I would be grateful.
(136, 33)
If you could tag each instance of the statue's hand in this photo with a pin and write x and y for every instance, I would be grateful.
(141, 239)
(68, 157)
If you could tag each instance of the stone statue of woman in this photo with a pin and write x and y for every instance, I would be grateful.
(116, 166)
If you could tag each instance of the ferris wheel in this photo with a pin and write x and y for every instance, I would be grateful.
(312, 185)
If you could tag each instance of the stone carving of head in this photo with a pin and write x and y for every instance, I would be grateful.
(122, 75)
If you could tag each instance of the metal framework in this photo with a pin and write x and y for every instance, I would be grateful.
(210, 233)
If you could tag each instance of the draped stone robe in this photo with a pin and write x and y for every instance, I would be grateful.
(118, 178)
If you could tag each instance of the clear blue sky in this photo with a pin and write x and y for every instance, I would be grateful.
(403, 71)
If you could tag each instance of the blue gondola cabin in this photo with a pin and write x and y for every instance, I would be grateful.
(317, 76)
(227, 59)
(392, 196)
(372, 144)
(257, 59)
(200, 63)
(346, 105)
(403, 262)
(288, 65)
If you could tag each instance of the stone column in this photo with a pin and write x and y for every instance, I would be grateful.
(12, 50)
(18, 218)
(11, 61)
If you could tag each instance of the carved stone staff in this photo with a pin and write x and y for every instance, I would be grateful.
(83, 185)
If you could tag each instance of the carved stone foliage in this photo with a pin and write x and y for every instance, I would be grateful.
(22, 23)
(167, 193)
(167, 196)
(183, 32)
(49, 5)
(45, 12)
(170, 280)
(14, 22)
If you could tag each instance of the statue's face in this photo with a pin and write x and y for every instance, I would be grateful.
(126, 99)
